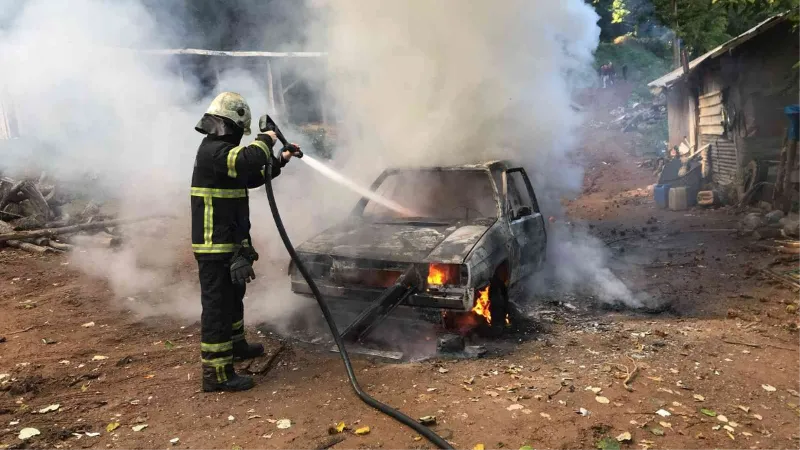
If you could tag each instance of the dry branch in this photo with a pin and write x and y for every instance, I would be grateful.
(746, 344)
(51, 232)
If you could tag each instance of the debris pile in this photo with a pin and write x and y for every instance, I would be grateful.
(639, 116)
(34, 217)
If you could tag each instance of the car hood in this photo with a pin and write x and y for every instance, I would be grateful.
(402, 241)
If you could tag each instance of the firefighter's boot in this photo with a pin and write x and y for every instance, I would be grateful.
(245, 350)
(224, 379)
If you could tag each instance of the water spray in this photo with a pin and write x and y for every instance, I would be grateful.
(266, 124)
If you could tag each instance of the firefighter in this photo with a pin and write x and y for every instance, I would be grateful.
(223, 171)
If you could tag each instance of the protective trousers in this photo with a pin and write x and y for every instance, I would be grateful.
(222, 320)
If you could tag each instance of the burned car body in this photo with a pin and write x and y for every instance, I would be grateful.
(473, 225)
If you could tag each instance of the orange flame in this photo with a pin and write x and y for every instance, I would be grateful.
(481, 307)
(436, 275)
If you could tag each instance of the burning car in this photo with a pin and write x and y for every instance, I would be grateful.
(467, 233)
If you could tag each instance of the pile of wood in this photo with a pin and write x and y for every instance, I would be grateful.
(31, 218)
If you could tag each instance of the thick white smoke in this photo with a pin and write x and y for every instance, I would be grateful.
(452, 81)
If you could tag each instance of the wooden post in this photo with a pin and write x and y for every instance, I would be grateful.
(270, 89)
(791, 164)
(284, 112)
(777, 193)
(323, 110)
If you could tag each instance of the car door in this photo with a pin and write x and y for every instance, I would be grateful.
(525, 221)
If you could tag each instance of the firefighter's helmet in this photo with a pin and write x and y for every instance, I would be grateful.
(232, 106)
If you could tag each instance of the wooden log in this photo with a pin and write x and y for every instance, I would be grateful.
(10, 193)
(37, 200)
(767, 233)
(50, 232)
(31, 248)
(61, 246)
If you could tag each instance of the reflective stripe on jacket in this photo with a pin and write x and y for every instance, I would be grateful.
(223, 171)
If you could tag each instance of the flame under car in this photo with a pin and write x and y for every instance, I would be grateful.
(476, 231)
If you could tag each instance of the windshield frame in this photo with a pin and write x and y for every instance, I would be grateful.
(358, 210)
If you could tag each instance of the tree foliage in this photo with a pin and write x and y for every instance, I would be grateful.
(700, 24)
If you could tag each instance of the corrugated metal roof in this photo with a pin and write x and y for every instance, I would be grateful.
(674, 76)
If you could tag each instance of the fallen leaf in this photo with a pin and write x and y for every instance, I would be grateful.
(169, 345)
(663, 413)
(362, 431)
(744, 408)
(174, 441)
(526, 447)
(478, 447)
(624, 437)
(139, 427)
(432, 389)
(428, 420)
(658, 431)
(283, 424)
(699, 436)
(698, 397)
(27, 433)
(708, 412)
(527, 411)
(254, 416)
(514, 407)
(545, 415)
(758, 416)
(443, 370)
(470, 381)
(665, 424)
(608, 443)
(491, 393)
(658, 379)
(272, 421)
(768, 388)
(595, 390)
(601, 399)
(731, 436)
(716, 427)
(745, 433)
(88, 434)
(728, 428)
(88, 324)
(340, 427)
(793, 392)
(112, 426)
(722, 418)
(99, 357)
(733, 424)
(47, 409)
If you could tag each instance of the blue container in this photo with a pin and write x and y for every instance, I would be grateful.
(661, 194)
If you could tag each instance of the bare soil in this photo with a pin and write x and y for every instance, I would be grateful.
(727, 345)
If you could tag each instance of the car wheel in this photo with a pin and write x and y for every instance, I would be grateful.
(498, 305)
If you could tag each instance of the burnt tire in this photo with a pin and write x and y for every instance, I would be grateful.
(498, 306)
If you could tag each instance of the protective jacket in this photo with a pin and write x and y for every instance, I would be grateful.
(223, 171)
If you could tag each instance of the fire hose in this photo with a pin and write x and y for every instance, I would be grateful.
(266, 124)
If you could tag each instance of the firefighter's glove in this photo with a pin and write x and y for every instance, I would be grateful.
(241, 270)
(267, 137)
(288, 151)
(249, 253)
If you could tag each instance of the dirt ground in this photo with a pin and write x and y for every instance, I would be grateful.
(717, 369)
